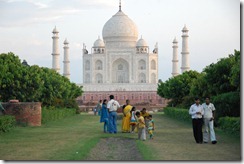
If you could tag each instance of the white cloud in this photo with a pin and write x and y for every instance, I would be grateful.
(28, 12)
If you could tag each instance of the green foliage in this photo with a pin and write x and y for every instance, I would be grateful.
(227, 104)
(176, 88)
(178, 113)
(52, 113)
(230, 124)
(34, 83)
(220, 81)
(235, 71)
(218, 76)
(7, 123)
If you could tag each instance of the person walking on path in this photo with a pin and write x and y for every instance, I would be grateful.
(104, 116)
(126, 117)
(112, 106)
(208, 121)
(196, 111)
(141, 127)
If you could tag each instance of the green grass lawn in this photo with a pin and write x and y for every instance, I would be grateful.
(67, 139)
(72, 139)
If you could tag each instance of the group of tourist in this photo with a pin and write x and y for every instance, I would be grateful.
(203, 114)
(133, 121)
(142, 122)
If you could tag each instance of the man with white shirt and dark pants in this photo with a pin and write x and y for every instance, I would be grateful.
(196, 111)
(208, 121)
(112, 106)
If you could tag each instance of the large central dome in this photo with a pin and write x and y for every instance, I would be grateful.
(120, 28)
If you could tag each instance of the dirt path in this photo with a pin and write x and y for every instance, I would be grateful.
(115, 148)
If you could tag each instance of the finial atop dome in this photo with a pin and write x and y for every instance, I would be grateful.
(119, 5)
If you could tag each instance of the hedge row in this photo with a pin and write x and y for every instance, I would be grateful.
(230, 124)
(7, 123)
(178, 113)
(52, 113)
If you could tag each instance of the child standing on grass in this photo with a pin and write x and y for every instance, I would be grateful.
(141, 127)
(133, 119)
(151, 126)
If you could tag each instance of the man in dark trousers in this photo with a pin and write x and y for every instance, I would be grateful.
(196, 111)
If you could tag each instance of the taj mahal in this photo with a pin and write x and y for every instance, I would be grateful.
(121, 63)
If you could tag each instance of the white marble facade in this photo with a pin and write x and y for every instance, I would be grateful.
(120, 61)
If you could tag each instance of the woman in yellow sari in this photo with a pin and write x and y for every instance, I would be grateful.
(126, 117)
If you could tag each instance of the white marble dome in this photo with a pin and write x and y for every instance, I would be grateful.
(99, 43)
(120, 27)
(141, 43)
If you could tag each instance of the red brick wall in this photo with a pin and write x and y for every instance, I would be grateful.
(139, 99)
(26, 113)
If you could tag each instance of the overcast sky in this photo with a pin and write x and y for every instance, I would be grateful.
(26, 28)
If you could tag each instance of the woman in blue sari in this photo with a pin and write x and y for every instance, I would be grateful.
(104, 116)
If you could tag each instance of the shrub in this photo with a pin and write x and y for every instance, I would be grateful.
(178, 113)
(7, 123)
(230, 124)
(227, 104)
(52, 113)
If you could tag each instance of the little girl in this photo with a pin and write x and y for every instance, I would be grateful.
(150, 127)
(133, 119)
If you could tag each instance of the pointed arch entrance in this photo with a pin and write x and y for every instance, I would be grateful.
(120, 71)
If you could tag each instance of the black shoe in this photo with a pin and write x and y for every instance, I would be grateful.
(214, 142)
(205, 142)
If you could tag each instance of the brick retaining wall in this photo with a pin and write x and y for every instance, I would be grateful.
(26, 113)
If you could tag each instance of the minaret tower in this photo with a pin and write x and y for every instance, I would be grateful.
(66, 59)
(175, 58)
(55, 64)
(185, 66)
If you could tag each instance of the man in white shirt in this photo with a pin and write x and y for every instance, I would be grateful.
(196, 111)
(208, 121)
(112, 106)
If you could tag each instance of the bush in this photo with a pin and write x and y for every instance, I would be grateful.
(178, 113)
(227, 104)
(7, 123)
(52, 113)
(230, 124)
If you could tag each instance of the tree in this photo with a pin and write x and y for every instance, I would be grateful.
(176, 88)
(34, 83)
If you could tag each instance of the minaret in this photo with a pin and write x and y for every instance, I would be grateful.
(185, 66)
(66, 59)
(55, 64)
(175, 58)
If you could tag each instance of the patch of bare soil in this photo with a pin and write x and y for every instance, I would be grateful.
(115, 148)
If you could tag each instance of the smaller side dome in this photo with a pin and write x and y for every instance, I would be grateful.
(141, 43)
(99, 43)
